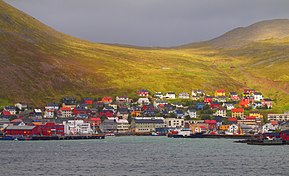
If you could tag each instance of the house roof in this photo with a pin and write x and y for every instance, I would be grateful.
(238, 110)
(220, 91)
(232, 119)
(20, 127)
(65, 109)
(148, 120)
(6, 113)
(16, 120)
(94, 119)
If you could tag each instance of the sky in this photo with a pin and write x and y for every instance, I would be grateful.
(151, 22)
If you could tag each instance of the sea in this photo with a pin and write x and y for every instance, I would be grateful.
(134, 155)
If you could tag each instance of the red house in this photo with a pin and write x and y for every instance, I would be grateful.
(245, 102)
(251, 117)
(142, 93)
(148, 107)
(94, 121)
(80, 110)
(267, 102)
(249, 91)
(6, 114)
(284, 135)
(211, 123)
(234, 96)
(214, 105)
(51, 129)
(21, 130)
(208, 99)
(106, 113)
(87, 101)
(232, 120)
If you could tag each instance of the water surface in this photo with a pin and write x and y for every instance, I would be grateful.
(141, 156)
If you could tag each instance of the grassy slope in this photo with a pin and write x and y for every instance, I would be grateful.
(39, 64)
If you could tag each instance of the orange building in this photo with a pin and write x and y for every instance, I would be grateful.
(106, 100)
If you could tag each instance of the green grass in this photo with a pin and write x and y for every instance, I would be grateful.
(39, 64)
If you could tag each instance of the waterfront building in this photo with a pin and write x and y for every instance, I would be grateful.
(108, 126)
(146, 124)
(123, 126)
(174, 122)
(77, 127)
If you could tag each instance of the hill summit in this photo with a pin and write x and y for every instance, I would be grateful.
(269, 29)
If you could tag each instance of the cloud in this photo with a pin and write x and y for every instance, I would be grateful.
(151, 22)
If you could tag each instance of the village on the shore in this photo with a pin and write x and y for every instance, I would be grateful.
(148, 113)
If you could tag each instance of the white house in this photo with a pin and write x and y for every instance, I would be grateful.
(143, 101)
(192, 113)
(268, 127)
(198, 93)
(123, 99)
(233, 129)
(122, 125)
(21, 106)
(258, 96)
(174, 122)
(221, 112)
(184, 95)
(229, 106)
(49, 113)
(77, 127)
(159, 95)
(170, 95)
(159, 102)
(53, 106)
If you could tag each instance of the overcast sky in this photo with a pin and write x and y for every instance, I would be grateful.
(150, 22)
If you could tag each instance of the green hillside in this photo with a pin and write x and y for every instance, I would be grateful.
(39, 64)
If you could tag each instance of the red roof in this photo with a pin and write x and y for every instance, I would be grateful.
(232, 119)
(94, 119)
(238, 110)
(220, 91)
(274, 122)
(66, 109)
(6, 113)
(250, 117)
(16, 120)
(210, 121)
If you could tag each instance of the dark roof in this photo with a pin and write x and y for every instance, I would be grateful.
(148, 120)
(52, 104)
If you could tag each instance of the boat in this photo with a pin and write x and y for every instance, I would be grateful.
(184, 133)
(7, 138)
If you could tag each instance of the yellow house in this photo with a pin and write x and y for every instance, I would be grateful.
(135, 113)
(256, 114)
(219, 93)
(224, 127)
